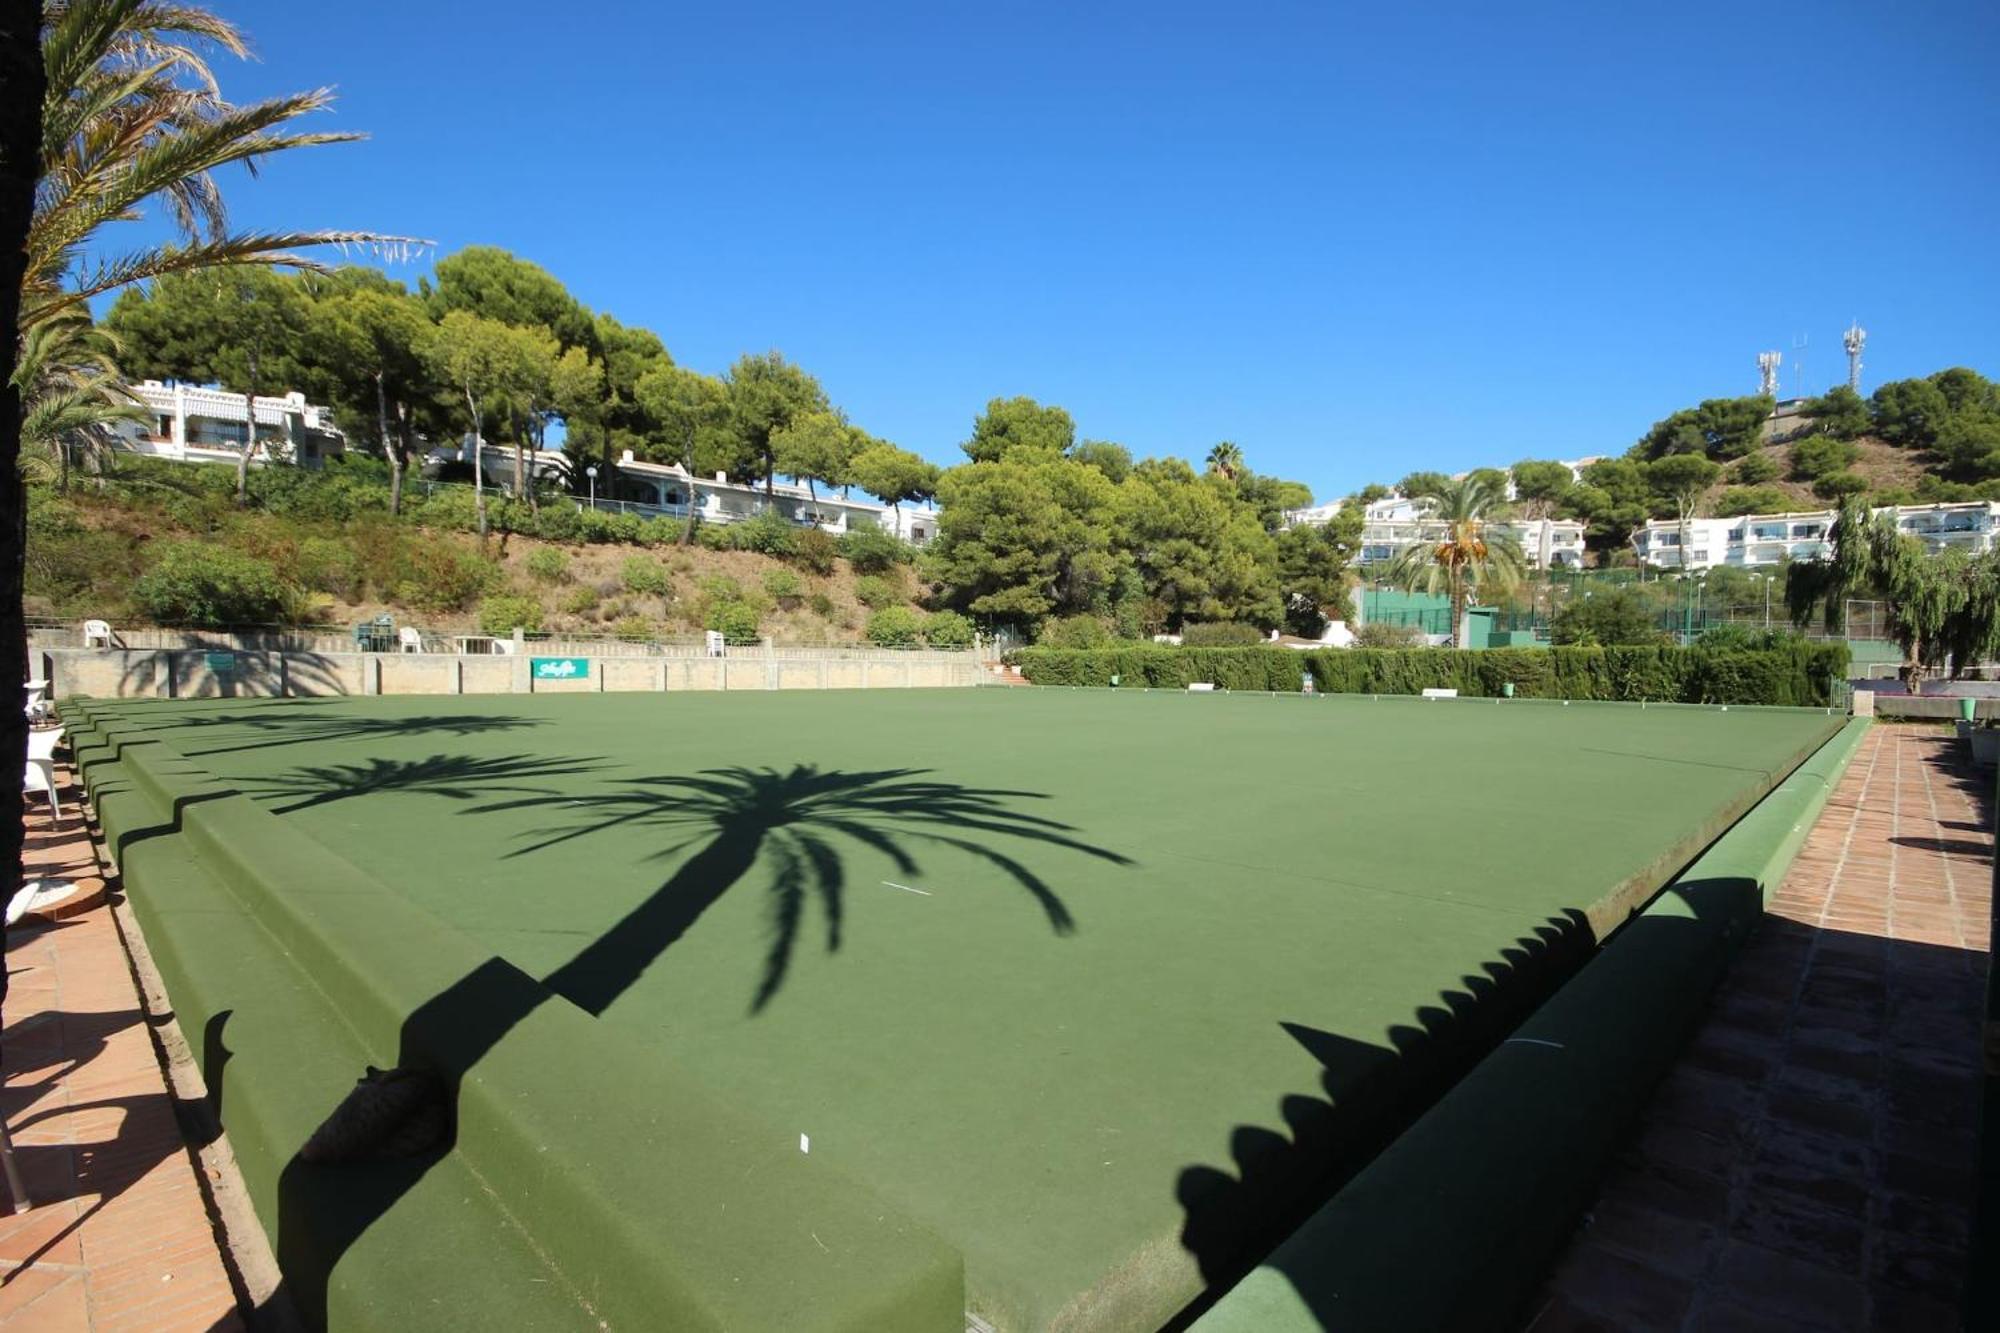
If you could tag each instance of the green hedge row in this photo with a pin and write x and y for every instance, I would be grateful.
(1800, 674)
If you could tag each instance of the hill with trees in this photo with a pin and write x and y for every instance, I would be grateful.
(1916, 441)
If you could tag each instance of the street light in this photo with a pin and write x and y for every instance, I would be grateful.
(591, 472)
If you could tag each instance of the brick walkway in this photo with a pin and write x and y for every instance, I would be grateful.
(1809, 1162)
(119, 1236)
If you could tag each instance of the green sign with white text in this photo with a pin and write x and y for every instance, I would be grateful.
(560, 668)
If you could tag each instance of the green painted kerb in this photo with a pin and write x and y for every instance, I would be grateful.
(1455, 1225)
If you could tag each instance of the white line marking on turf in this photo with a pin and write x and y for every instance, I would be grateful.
(1535, 1041)
(889, 883)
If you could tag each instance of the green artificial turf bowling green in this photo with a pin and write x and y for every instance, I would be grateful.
(1071, 977)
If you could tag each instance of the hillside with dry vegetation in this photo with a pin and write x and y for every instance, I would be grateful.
(165, 544)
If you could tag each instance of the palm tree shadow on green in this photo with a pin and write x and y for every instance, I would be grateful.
(459, 777)
(795, 817)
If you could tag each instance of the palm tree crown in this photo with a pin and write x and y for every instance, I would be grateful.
(1227, 459)
(1460, 550)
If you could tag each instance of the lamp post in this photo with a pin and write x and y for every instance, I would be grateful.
(591, 472)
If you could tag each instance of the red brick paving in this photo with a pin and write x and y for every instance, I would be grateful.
(1808, 1164)
(119, 1236)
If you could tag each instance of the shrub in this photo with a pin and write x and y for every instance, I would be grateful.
(437, 574)
(559, 523)
(1792, 672)
(624, 527)
(548, 565)
(737, 621)
(73, 567)
(504, 614)
(323, 564)
(1073, 632)
(948, 629)
(661, 531)
(1817, 455)
(783, 586)
(581, 601)
(877, 593)
(1748, 638)
(1620, 616)
(1376, 634)
(815, 550)
(646, 576)
(345, 488)
(447, 507)
(195, 583)
(894, 627)
(712, 538)
(1159, 666)
(1736, 501)
(821, 604)
(1755, 469)
(1220, 634)
(1837, 486)
(633, 629)
(873, 551)
(719, 588)
(766, 534)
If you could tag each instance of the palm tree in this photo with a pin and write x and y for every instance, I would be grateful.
(1461, 551)
(132, 113)
(1226, 458)
(111, 104)
(71, 395)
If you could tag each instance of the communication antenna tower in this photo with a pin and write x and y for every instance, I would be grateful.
(1854, 340)
(1767, 373)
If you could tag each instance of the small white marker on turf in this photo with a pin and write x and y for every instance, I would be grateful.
(805, 1143)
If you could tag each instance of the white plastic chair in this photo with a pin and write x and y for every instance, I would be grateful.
(411, 639)
(96, 634)
(40, 773)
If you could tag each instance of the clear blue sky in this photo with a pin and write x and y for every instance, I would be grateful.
(1354, 239)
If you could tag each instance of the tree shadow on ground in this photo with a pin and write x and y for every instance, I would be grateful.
(299, 721)
(302, 672)
(1369, 1092)
(460, 777)
(742, 814)
(797, 818)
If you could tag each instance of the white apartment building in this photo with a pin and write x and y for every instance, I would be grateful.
(1766, 539)
(667, 490)
(1393, 525)
(197, 425)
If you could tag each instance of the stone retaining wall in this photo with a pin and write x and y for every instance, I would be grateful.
(167, 673)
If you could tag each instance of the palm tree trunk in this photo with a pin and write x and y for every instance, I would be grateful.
(21, 73)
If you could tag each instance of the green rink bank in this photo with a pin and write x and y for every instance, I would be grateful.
(1795, 675)
(1455, 1224)
(590, 1182)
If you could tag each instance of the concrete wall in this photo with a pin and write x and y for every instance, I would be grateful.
(174, 673)
(1929, 708)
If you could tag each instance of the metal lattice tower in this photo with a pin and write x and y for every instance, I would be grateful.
(1767, 373)
(1853, 340)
